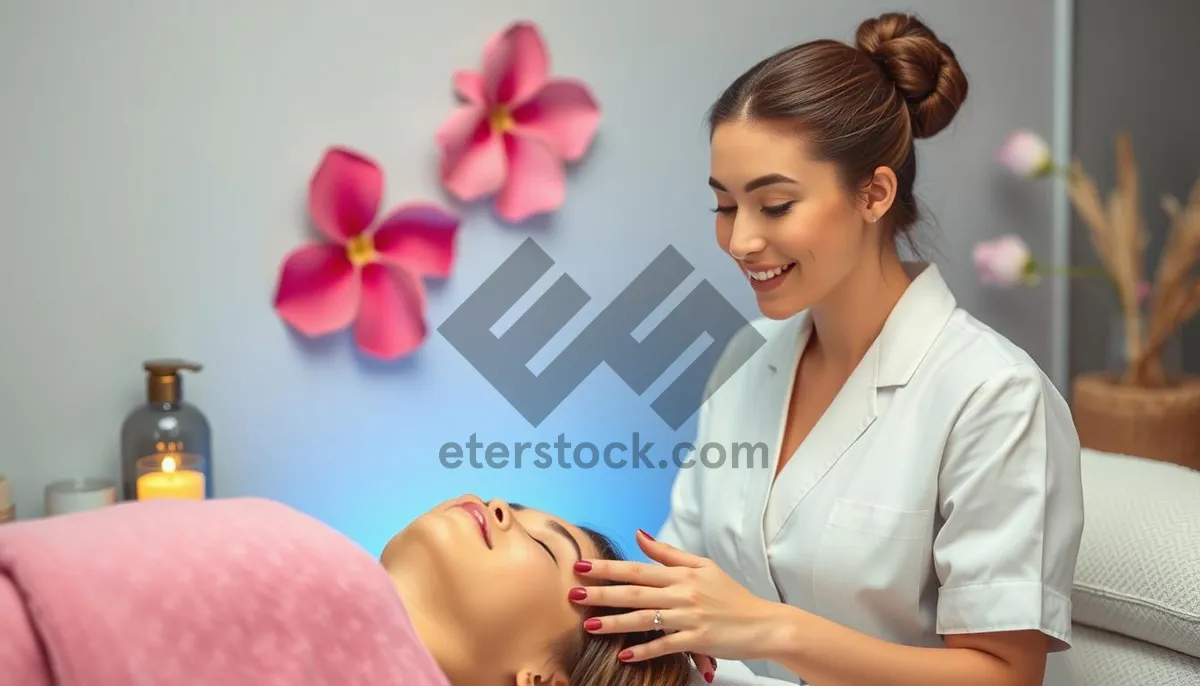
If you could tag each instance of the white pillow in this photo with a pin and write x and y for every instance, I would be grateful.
(1139, 562)
(1100, 658)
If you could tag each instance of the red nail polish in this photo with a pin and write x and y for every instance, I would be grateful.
(592, 624)
(577, 594)
(583, 566)
(642, 532)
(625, 655)
(708, 676)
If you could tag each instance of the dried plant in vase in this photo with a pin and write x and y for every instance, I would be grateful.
(1176, 295)
(1118, 236)
(1152, 309)
(1142, 410)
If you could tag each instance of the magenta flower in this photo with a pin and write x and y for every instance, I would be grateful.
(516, 128)
(369, 275)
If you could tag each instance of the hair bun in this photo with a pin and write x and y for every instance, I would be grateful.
(924, 69)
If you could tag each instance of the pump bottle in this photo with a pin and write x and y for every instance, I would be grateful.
(165, 424)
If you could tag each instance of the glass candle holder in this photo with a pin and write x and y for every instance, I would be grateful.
(171, 476)
(79, 495)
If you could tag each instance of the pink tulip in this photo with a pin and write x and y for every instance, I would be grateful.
(516, 128)
(369, 275)
(1026, 154)
(1004, 261)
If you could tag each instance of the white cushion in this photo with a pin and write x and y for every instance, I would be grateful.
(1100, 658)
(1139, 560)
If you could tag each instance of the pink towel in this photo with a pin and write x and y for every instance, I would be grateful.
(238, 592)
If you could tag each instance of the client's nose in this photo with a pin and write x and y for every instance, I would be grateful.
(502, 512)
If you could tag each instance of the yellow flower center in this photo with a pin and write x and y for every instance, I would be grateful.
(502, 120)
(361, 250)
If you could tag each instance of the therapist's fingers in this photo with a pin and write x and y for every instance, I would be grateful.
(667, 554)
(666, 645)
(635, 573)
(637, 621)
(705, 665)
(632, 597)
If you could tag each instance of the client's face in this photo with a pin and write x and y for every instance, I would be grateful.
(501, 574)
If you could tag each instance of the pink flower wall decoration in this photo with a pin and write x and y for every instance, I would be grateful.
(516, 129)
(368, 275)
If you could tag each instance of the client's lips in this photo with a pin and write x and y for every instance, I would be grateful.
(481, 518)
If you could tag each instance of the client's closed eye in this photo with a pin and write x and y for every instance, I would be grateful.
(547, 549)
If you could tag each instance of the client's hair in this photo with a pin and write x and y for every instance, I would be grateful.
(591, 659)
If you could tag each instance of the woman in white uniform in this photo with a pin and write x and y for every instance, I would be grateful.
(919, 516)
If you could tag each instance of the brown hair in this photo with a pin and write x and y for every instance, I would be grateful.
(859, 106)
(591, 659)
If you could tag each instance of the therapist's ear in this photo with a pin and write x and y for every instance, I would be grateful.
(540, 677)
(878, 194)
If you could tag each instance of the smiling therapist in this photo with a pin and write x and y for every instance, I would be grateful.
(921, 523)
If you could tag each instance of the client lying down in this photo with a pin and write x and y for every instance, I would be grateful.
(247, 592)
(486, 587)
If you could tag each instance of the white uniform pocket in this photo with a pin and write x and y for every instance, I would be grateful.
(867, 573)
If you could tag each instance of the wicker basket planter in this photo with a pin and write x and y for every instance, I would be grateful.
(1157, 423)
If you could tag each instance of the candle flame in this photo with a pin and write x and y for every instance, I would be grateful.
(168, 464)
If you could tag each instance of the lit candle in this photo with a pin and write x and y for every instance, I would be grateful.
(171, 483)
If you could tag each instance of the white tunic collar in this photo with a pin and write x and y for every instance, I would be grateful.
(902, 344)
(905, 340)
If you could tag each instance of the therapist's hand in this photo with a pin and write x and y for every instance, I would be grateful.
(703, 609)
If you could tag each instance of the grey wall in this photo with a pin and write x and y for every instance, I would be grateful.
(1135, 69)
(155, 162)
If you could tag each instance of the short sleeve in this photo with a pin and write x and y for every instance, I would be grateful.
(1011, 498)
